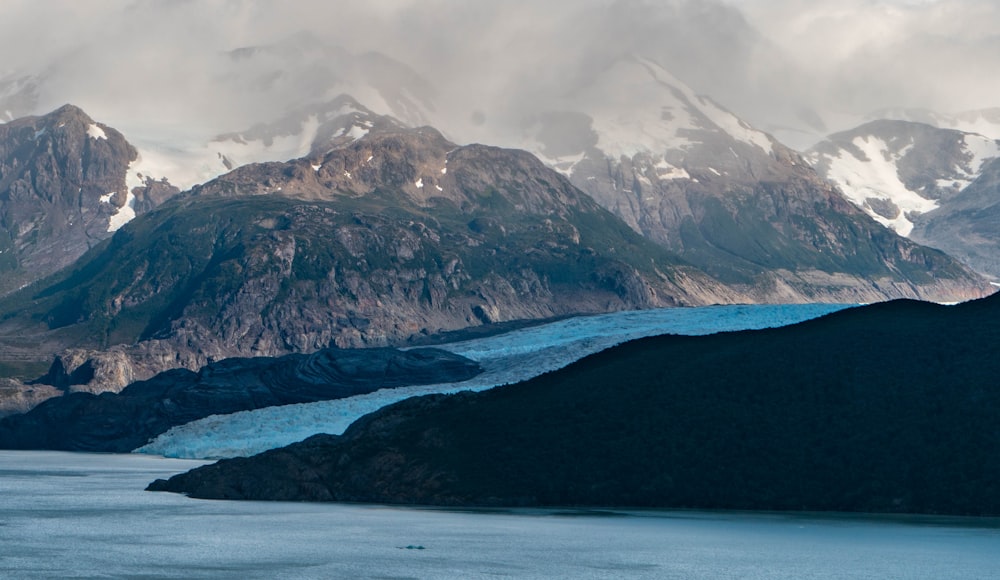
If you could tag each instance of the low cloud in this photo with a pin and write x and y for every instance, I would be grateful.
(207, 67)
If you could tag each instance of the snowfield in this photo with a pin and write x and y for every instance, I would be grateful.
(506, 358)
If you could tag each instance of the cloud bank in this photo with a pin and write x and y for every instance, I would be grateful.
(186, 67)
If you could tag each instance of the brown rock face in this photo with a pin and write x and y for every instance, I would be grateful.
(62, 178)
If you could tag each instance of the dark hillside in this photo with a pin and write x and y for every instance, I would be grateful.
(888, 408)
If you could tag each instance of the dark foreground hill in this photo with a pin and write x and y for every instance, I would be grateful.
(121, 422)
(886, 408)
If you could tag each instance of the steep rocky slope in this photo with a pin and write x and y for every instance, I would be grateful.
(935, 186)
(62, 191)
(729, 199)
(397, 235)
(121, 422)
(832, 414)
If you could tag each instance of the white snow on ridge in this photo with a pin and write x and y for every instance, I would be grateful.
(877, 177)
(506, 358)
(723, 119)
(563, 164)
(96, 132)
(635, 106)
(980, 149)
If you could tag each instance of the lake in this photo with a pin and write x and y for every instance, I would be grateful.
(65, 515)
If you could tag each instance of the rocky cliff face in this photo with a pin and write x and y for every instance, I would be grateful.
(62, 191)
(729, 199)
(395, 236)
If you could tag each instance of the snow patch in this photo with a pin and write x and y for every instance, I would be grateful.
(316, 167)
(357, 132)
(125, 214)
(980, 149)
(96, 132)
(419, 183)
(439, 188)
(876, 175)
(563, 164)
(666, 171)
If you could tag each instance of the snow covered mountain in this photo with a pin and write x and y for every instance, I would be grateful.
(913, 177)
(685, 172)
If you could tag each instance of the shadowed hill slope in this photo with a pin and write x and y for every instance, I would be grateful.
(887, 408)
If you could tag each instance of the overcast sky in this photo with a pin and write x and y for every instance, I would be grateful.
(146, 62)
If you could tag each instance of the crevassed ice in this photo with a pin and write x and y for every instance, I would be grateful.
(507, 358)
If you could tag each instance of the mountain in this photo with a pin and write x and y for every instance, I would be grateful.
(121, 422)
(63, 189)
(729, 199)
(936, 186)
(833, 414)
(397, 235)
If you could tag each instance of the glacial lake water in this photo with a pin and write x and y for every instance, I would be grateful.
(65, 515)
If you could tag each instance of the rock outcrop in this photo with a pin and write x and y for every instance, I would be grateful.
(121, 422)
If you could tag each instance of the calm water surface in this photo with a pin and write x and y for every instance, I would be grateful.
(66, 515)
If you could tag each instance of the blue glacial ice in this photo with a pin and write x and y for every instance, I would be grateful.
(506, 358)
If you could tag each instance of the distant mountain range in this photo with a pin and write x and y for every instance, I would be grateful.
(334, 224)
(724, 196)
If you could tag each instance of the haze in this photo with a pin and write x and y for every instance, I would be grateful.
(479, 69)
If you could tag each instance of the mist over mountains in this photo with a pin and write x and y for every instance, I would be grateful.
(152, 69)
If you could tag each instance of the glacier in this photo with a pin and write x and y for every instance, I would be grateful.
(506, 358)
